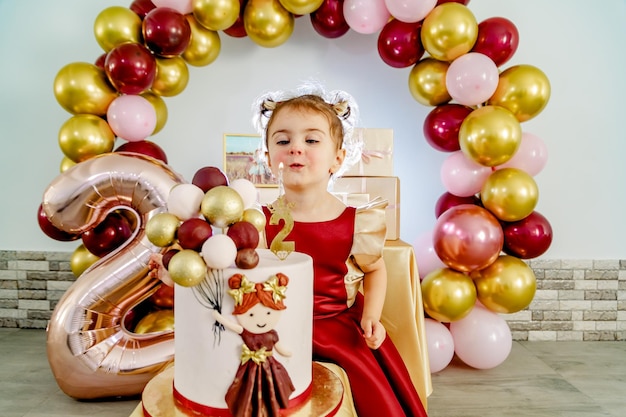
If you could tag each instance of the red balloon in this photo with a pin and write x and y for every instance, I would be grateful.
(467, 238)
(209, 177)
(498, 38)
(328, 20)
(166, 32)
(108, 235)
(51, 230)
(237, 29)
(131, 68)
(141, 7)
(464, 2)
(192, 233)
(399, 43)
(100, 61)
(448, 200)
(527, 238)
(442, 124)
(163, 297)
(144, 147)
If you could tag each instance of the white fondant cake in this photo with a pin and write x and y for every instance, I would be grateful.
(207, 356)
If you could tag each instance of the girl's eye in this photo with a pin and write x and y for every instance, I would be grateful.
(282, 142)
(310, 140)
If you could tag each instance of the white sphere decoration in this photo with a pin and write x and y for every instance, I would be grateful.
(219, 252)
(184, 201)
(246, 190)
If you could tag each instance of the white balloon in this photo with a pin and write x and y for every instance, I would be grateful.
(246, 190)
(219, 252)
(410, 11)
(184, 201)
(440, 345)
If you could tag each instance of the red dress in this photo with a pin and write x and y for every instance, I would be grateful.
(380, 383)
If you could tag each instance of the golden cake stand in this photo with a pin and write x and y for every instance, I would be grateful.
(327, 397)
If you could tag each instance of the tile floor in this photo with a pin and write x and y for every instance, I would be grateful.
(538, 379)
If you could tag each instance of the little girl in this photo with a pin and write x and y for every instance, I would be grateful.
(305, 133)
(261, 385)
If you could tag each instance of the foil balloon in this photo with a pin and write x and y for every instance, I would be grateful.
(449, 31)
(116, 25)
(427, 82)
(216, 15)
(205, 44)
(267, 22)
(172, 76)
(91, 353)
(510, 194)
(448, 295)
(81, 87)
(84, 136)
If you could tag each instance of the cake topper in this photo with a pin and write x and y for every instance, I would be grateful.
(281, 210)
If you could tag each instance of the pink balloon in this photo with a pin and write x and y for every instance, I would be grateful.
(531, 156)
(410, 11)
(131, 117)
(366, 16)
(482, 339)
(462, 176)
(181, 6)
(425, 255)
(472, 78)
(468, 238)
(440, 345)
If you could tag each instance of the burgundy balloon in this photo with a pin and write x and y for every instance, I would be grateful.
(448, 200)
(108, 235)
(193, 232)
(467, 238)
(144, 147)
(328, 20)
(442, 124)
(131, 68)
(527, 238)
(399, 43)
(100, 61)
(237, 29)
(166, 32)
(209, 177)
(464, 2)
(167, 257)
(141, 7)
(51, 230)
(498, 38)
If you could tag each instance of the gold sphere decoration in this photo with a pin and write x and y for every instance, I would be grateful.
(222, 206)
(187, 268)
(161, 229)
(256, 217)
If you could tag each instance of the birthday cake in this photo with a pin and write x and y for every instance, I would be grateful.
(255, 352)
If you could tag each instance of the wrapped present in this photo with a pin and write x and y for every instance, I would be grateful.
(376, 155)
(387, 188)
(353, 199)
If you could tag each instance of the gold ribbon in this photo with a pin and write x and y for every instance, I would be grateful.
(278, 291)
(257, 356)
(246, 287)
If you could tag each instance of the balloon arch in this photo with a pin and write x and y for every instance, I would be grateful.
(114, 323)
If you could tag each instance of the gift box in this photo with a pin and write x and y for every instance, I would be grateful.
(387, 188)
(353, 199)
(376, 154)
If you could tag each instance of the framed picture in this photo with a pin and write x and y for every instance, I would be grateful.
(244, 158)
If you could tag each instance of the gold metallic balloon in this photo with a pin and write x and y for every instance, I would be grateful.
(159, 107)
(205, 44)
(506, 286)
(84, 136)
(427, 82)
(448, 295)
(449, 31)
(524, 90)
(267, 22)
(161, 229)
(172, 76)
(256, 217)
(222, 206)
(116, 25)
(187, 268)
(490, 135)
(301, 7)
(216, 14)
(81, 259)
(510, 194)
(156, 322)
(66, 163)
(81, 87)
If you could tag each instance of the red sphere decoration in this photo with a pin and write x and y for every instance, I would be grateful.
(51, 230)
(192, 233)
(131, 68)
(527, 238)
(328, 20)
(108, 235)
(209, 177)
(399, 43)
(244, 234)
(166, 32)
(167, 256)
(247, 258)
(442, 124)
(144, 147)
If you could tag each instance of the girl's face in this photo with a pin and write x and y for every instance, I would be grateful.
(259, 319)
(301, 140)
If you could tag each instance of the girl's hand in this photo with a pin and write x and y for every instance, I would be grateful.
(374, 332)
(157, 270)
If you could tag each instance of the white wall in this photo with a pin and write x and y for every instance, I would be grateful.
(577, 43)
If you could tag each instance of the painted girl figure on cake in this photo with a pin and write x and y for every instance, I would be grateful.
(261, 386)
(307, 131)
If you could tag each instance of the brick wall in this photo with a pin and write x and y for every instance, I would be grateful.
(575, 300)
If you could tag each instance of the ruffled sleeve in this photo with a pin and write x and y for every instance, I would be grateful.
(370, 228)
